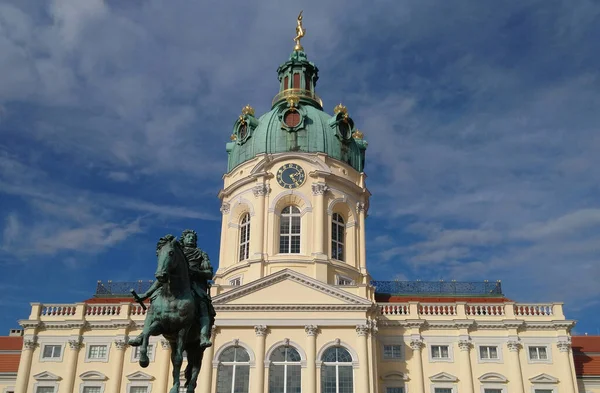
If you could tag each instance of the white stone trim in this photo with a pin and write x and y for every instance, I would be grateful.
(9, 389)
(235, 204)
(238, 343)
(452, 386)
(395, 379)
(337, 343)
(236, 322)
(485, 386)
(443, 377)
(339, 276)
(283, 194)
(387, 340)
(240, 276)
(534, 361)
(270, 161)
(290, 343)
(45, 384)
(92, 384)
(543, 379)
(499, 351)
(46, 379)
(136, 384)
(544, 387)
(493, 378)
(346, 200)
(62, 344)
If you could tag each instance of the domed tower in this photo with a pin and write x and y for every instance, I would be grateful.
(294, 194)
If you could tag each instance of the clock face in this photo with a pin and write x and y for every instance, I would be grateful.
(291, 176)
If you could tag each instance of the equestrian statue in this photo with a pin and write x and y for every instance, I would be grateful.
(181, 309)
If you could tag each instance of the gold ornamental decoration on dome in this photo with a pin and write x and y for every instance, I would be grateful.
(233, 137)
(340, 109)
(248, 110)
(293, 102)
(299, 33)
(357, 135)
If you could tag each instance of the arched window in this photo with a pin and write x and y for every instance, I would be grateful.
(338, 230)
(245, 237)
(284, 371)
(336, 371)
(233, 374)
(289, 230)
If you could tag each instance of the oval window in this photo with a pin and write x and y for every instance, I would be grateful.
(292, 118)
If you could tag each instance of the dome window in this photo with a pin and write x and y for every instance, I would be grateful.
(244, 125)
(291, 119)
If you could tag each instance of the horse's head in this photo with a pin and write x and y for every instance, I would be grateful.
(170, 257)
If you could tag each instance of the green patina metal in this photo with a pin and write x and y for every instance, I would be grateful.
(297, 122)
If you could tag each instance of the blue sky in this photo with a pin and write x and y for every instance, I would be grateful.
(482, 120)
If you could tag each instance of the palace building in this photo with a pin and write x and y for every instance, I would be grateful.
(297, 311)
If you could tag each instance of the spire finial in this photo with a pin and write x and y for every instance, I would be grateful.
(299, 33)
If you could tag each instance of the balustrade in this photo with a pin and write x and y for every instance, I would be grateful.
(48, 310)
(472, 310)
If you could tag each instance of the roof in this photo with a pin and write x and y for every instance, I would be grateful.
(9, 362)
(11, 343)
(586, 355)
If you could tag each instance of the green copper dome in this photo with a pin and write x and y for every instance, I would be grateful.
(297, 122)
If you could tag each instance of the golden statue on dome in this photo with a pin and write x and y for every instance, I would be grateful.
(299, 34)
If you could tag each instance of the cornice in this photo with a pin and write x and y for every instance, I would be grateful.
(62, 325)
(114, 324)
(291, 307)
(288, 274)
(29, 323)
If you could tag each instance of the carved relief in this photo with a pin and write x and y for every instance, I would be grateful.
(260, 330)
(319, 188)
(564, 346)
(75, 344)
(225, 207)
(513, 346)
(464, 345)
(360, 207)
(311, 330)
(417, 345)
(165, 344)
(29, 344)
(362, 330)
(261, 190)
(120, 344)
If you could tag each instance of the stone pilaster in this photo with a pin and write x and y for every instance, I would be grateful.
(564, 350)
(165, 364)
(311, 358)
(515, 366)
(117, 359)
(466, 372)
(206, 371)
(360, 207)
(261, 333)
(363, 357)
(29, 345)
(257, 228)
(71, 365)
(319, 189)
(418, 383)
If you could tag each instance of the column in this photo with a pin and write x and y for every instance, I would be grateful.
(71, 369)
(311, 358)
(261, 332)
(466, 374)
(165, 365)
(564, 349)
(319, 190)
(515, 367)
(363, 358)
(416, 367)
(117, 361)
(362, 237)
(257, 223)
(29, 345)
(225, 207)
(206, 371)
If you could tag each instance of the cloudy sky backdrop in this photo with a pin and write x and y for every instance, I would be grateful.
(482, 120)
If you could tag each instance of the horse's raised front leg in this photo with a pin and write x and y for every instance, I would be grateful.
(177, 359)
(153, 330)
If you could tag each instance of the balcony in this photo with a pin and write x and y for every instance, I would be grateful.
(300, 93)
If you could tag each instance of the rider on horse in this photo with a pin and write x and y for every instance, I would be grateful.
(200, 271)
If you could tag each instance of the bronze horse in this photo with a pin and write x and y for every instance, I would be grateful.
(173, 314)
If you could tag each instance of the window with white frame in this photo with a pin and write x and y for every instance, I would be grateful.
(538, 353)
(51, 351)
(233, 373)
(492, 390)
(289, 230)
(341, 280)
(45, 389)
(245, 237)
(336, 371)
(91, 389)
(138, 389)
(543, 390)
(136, 353)
(237, 281)
(97, 352)
(440, 352)
(442, 390)
(392, 351)
(338, 230)
(394, 389)
(285, 370)
(488, 352)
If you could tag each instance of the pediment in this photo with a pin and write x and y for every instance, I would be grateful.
(443, 377)
(139, 376)
(93, 376)
(288, 287)
(394, 376)
(493, 377)
(46, 376)
(543, 378)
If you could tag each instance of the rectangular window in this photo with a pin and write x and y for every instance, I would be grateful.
(92, 389)
(236, 281)
(136, 352)
(538, 353)
(394, 390)
(344, 281)
(97, 352)
(544, 391)
(442, 390)
(296, 81)
(44, 389)
(52, 352)
(392, 351)
(488, 352)
(286, 83)
(440, 352)
(492, 390)
(138, 389)
(307, 81)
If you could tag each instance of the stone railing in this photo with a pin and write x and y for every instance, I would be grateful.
(83, 311)
(464, 310)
